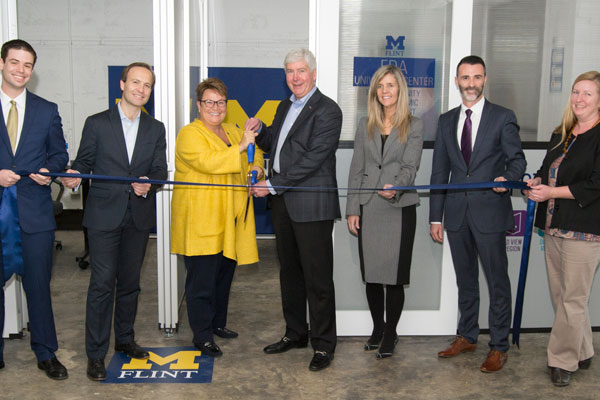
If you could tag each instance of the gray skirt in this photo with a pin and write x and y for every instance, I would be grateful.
(385, 241)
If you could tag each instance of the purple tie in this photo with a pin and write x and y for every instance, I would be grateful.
(465, 139)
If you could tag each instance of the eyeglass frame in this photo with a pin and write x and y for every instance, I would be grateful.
(211, 103)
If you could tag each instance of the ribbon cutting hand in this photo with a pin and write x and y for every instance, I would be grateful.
(252, 124)
(387, 194)
(531, 183)
(8, 178)
(538, 192)
(41, 179)
(260, 189)
(247, 138)
(141, 189)
(71, 183)
(500, 189)
(259, 171)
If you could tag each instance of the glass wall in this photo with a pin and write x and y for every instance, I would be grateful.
(534, 50)
(246, 44)
(416, 37)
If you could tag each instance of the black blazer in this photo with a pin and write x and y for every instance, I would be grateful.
(103, 151)
(580, 170)
(307, 158)
(497, 152)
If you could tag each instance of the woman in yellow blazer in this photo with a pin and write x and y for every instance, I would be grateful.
(210, 226)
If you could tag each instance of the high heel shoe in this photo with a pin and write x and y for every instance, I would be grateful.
(374, 340)
(387, 347)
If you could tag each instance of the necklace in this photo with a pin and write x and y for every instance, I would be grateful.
(568, 145)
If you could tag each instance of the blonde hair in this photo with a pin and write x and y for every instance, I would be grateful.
(569, 120)
(402, 119)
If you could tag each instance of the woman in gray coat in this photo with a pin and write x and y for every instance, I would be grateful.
(387, 153)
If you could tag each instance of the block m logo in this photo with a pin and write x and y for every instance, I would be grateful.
(184, 360)
(395, 44)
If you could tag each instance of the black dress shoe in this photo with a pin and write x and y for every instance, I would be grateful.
(320, 360)
(387, 346)
(132, 349)
(54, 369)
(225, 333)
(1, 364)
(210, 349)
(284, 345)
(374, 340)
(585, 364)
(559, 376)
(96, 370)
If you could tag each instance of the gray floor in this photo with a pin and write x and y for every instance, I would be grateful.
(245, 372)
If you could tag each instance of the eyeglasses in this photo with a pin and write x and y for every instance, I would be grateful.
(210, 103)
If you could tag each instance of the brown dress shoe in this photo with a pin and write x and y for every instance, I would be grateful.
(494, 362)
(459, 345)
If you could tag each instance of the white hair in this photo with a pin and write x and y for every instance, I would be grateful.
(301, 55)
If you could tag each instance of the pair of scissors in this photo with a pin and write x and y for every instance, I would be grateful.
(252, 177)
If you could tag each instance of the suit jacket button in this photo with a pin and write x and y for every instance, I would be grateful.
(380, 167)
(468, 175)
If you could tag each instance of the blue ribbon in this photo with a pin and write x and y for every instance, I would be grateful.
(455, 186)
(523, 273)
(449, 186)
(10, 231)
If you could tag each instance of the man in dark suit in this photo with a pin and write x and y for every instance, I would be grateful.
(302, 141)
(31, 140)
(122, 141)
(477, 142)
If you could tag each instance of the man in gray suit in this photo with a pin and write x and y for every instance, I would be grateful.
(302, 141)
(477, 142)
(121, 141)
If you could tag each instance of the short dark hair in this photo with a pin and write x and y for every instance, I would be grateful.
(471, 60)
(138, 64)
(17, 44)
(211, 83)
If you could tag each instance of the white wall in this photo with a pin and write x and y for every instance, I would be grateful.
(255, 33)
(76, 41)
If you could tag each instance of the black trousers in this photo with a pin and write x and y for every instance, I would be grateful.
(305, 251)
(207, 287)
(116, 260)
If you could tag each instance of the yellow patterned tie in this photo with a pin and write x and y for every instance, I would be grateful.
(12, 125)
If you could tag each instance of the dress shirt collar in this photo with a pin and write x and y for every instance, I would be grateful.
(20, 99)
(477, 108)
(124, 117)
